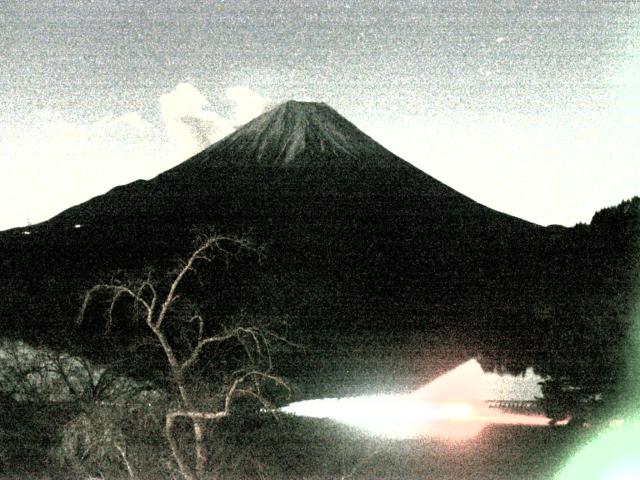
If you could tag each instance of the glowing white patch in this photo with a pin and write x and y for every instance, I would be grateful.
(189, 124)
(469, 382)
(453, 406)
(393, 416)
(77, 225)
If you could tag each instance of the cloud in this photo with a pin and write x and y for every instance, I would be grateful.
(56, 131)
(248, 103)
(190, 126)
(128, 127)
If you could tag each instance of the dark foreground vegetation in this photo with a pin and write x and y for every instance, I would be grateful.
(88, 441)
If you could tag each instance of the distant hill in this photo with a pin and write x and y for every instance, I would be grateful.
(387, 274)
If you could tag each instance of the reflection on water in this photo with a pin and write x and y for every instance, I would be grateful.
(392, 416)
(453, 406)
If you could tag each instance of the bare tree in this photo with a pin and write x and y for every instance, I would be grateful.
(159, 309)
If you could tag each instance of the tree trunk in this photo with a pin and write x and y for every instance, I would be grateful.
(185, 471)
(199, 428)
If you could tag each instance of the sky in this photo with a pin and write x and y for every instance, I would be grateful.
(529, 107)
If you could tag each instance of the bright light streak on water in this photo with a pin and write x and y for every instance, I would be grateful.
(453, 406)
(391, 416)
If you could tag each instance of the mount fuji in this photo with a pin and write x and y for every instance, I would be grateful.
(379, 268)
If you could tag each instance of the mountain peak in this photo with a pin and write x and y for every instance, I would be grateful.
(302, 134)
(303, 106)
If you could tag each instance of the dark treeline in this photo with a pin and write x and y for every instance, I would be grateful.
(577, 333)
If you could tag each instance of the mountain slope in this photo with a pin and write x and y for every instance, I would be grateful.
(299, 134)
(329, 154)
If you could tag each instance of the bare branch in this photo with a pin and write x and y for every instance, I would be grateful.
(182, 352)
(117, 291)
(144, 286)
(198, 414)
(195, 353)
(198, 254)
(59, 364)
(200, 320)
(185, 470)
(234, 389)
(123, 453)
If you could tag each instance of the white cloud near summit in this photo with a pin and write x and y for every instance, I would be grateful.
(190, 123)
(248, 103)
(190, 126)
